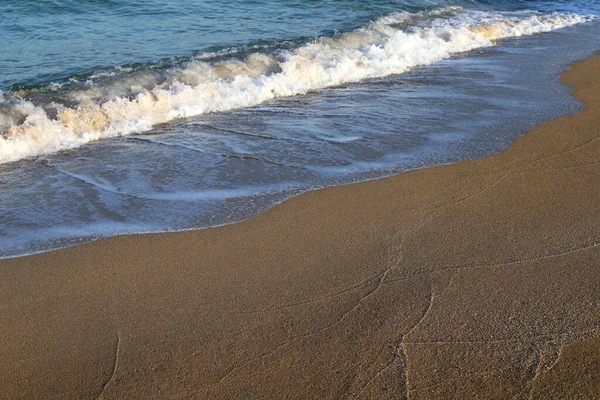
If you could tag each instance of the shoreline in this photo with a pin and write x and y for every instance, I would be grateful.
(496, 74)
(474, 279)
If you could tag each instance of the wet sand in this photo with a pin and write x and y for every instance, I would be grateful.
(473, 280)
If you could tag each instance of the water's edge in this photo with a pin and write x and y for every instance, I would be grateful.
(580, 107)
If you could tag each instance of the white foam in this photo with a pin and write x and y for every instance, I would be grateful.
(138, 102)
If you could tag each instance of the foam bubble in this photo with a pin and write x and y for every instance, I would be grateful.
(133, 102)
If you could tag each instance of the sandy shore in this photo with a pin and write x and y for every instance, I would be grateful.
(474, 280)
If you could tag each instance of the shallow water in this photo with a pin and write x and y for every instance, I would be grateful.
(452, 94)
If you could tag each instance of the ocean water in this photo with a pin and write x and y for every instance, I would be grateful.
(125, 117)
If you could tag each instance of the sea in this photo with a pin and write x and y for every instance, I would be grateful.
(123, 117)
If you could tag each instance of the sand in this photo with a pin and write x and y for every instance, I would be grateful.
(474, 280)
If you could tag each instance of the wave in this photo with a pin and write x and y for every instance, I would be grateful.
(124, 101)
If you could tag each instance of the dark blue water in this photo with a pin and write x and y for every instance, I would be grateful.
(123, 117)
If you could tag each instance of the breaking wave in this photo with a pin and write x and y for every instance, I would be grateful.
(128, 100)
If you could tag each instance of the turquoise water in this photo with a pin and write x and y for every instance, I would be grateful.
(51, 40)
(124, 117)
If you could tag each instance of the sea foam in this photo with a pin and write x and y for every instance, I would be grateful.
(66, 116)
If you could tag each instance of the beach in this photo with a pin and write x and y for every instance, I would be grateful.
(220, 134)
(471, 280)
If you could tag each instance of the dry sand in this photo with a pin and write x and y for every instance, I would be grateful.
(474, 280)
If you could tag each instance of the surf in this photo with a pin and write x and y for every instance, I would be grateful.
(67, 115)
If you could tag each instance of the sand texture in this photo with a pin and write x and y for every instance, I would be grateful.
(474, 280)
